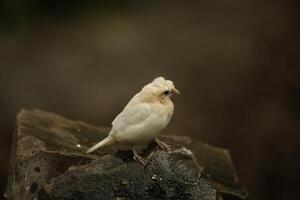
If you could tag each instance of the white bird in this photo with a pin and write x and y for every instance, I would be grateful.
(143, 118)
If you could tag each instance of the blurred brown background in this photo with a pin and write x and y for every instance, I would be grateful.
(235, 62)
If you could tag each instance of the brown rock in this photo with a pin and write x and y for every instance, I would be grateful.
(48, 161)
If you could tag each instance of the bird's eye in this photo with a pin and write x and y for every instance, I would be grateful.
(166, 92)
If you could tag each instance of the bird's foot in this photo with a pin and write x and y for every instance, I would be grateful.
(162, 145)
(137, 157)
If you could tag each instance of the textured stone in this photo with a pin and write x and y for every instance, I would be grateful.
(49, 162)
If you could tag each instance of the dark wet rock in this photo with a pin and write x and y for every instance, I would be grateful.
(49, 162)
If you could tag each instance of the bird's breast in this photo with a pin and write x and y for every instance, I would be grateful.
(162, 115)
(165, 110)
(148, 129)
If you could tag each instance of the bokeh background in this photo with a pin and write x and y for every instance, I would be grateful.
(235, 62)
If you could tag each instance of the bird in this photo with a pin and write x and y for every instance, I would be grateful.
(143, 118)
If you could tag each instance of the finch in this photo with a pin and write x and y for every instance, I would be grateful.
(143, 118)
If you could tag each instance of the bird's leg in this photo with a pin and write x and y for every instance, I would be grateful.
(162, 145)
(137, 157)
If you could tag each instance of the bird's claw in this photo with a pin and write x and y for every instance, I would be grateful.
(162, 145)
(139, 158)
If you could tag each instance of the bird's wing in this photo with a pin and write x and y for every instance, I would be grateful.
(131, 116)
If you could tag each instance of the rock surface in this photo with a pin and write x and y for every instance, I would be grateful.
(48, 162)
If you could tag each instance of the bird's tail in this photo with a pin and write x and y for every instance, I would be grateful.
(105, 142)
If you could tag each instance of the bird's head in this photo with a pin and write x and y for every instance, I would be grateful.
(160, 87)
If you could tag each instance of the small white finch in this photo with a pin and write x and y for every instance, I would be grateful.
(143, 118)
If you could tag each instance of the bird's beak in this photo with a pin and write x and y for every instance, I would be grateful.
(175, 91)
